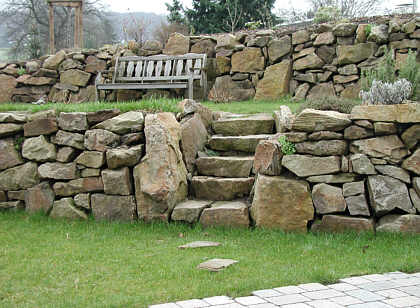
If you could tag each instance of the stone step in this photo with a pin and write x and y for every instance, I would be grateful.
(245, 125)
(228, 167)
(226, 214)
(221, 189)
(237, 143)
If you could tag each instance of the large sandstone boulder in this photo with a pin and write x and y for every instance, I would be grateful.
(44, 126)
(129, 122)
(277, 48)
(282, 203)
(225, 90)
(283, 119)
(161, 177)
(53, 61)
(268, 156)
(75, 77)
(65, 208)
(58, 171)
(39, 198)
(328, 199)
(38, 149)
(311, 61)
(20, 177)
(411, 136)
(344, 29)
(300, 37)
(9, 157)
(412, 163)
(311, 120)
(338, 223)
(100, 140)
(117, 181)
(321, 90)
(73, 140)
(275, 83)
(117, 158)
(399, 223)
(249, 60)
(400, 113)
(82, 185)
(91, 159)
(226, 214)
(7, 86)
(387, 194)
(177, 44)
(348, 54)
(206, 46)
(306, 165)
(233, 167)
(10, 129)
(73, 121)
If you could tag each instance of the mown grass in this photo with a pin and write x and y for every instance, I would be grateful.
(54, 263)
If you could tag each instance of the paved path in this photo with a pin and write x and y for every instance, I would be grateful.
(371, 291)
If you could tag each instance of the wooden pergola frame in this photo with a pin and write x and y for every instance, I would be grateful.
(78, 23)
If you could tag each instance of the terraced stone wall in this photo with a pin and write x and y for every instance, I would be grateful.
(325, 59)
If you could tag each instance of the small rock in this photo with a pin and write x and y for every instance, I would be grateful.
(199, 244)
(65, 208)
(216, 265)
(328, 199)
(357, 205)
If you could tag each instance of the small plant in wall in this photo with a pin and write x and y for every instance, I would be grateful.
(18, 143)
(287, 147)
(21, 71)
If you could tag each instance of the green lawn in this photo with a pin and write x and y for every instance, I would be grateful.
(53, 263)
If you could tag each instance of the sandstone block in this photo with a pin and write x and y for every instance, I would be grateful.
(117, 182)
(58, 171)
(82, 201)
(268, 156)
(65, 208)
(65, 154)
(305, 165)
(91, 159)
(38, 149)
(337, 223)
(275, 83)
(222, 189)
(395, 172)
(10, 129)
(399, 223)
(82, 185)
(322, 147)
(226, 214)
(100, 140)
(190, 210)
(73, 140)
(412, 163)
(353, 188)
(311, 120)
(73, 121)
(9, 157)
(120, 157)
(358, 205)
(177, 44)
(234, 167)
(40, 127)
(361, 164)
(328, 199)
(129, 122)
(249, 60)
(19, 177)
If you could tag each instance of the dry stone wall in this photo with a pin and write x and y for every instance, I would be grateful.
(322, 60)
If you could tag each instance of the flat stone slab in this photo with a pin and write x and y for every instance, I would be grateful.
(237, 143)
(221, 189)
(245, 125)
(216, 265)
(231, 167)
(199, 244)
(226, 214)
(190, 210)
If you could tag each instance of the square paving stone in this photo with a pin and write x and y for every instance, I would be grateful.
(412, 281)
(312, 287)
(346, 300)
(168, 305)
(266, 293)
(324, 303)
(355, 280)
(370, 305)
(218, 300)
(300, 305)
(324, 294)
(342, 286)
(289, 290)
(193, 303)
(288, 299)
(266, 305)
(376, 277)
(396, 275)
(391, 293)
(249, 300)
(365, 296)
(411, 290)
(233, 305)
(378, 286)
(403, 301)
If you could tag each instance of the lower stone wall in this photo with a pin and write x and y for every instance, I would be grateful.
(358, 171)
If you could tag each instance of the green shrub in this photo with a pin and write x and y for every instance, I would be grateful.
(326, 14)
(410, 70)
(368, 30)
(287, 147)
(21, 71)
(333, 103)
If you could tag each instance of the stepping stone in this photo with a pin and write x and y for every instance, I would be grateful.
(237, 143)
(221, 189)
(199, 244)
(216, 265)
(245, 125)
(226, 214)
(190, 210)
(230, 167)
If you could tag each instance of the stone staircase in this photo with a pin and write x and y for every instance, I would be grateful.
(226, 180)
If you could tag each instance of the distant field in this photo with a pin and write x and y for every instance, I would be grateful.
(3, 54)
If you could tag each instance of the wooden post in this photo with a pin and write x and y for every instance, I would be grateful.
(81, 25)
(76, 28)
(51, 15)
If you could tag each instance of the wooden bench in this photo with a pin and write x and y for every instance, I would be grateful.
(157, 72)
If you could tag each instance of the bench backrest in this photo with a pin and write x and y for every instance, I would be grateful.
(160, 68)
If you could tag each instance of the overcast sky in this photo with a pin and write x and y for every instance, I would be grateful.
(158, 6)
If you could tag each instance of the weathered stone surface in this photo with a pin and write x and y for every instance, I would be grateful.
(275, 83)
(3, 197)
(307, 77)
(311, 120)
(306, 165)
(58, 171)
(327, 54)
(325, 135)
(412, 163)
(333, 178)
(40, 127)
(322, 147)
(249, 60)
(91, 159)
(394, 172)
(73, 121)
(20, 177)
(383, 128)
(161, 177)
(82, 201)
(348, 54)
(210, 188)
(325, 38)
(189, 211)
(39, 198)
(74, 140)
(223, 65)
(226, 214)
(378, 34)
(328, 199)
(337, 223)
(301, 92)
(283, 119)
(416, 184)
(101, 115)
(206, 46)
(132, 139)
(300, 37)
(237, 143)
(11, 206)
(355, 132)
(344, 29)
(13, 117)
(415, 198)
(193, 139)
(399, 223)
(348, 70)
(129, 122)
(90, 172)
(345, 79)
(345, 165)
(234, 167)
(37, 81)
(75, 77)
(258, 41)
(216, 265)
(82, 185)
(117, 182)
(65, 208)
(387, 194)
(268, 156)
(304, 52)
(309, 62)
(100, 140)
(53, 61)
(411, 136)
(357, 205)
(401, 113)
(245, 125)
(38, 149)
(94, 65)
(199, 244)
(389, 148)
(282, 203)
(361, 164)
(227, 90)
(277, 48)
(292, 136)
(353, 189)
(189, 107)
(10, 129)
(16, 195)
(117, 158)
(321, 90)
(9, 157)
(177, 44)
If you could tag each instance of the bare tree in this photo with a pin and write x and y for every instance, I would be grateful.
(349, 8)
(235, 13)
(165, 29)
(136, 28)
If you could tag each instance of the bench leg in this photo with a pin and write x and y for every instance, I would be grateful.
(96, 94)
(190, 89)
